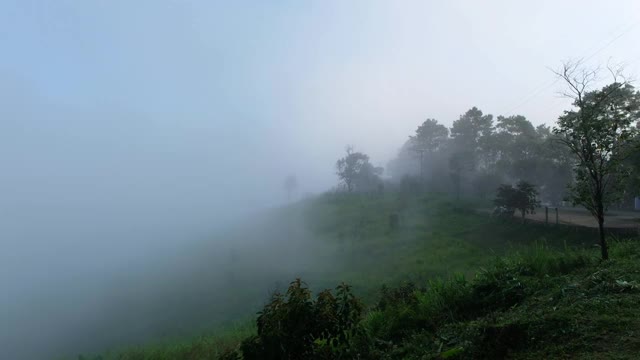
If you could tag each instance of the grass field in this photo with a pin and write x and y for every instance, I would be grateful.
(437, 238)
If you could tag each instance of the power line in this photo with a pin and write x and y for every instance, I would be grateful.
(612, 41)
(538, 90)
(531, 96)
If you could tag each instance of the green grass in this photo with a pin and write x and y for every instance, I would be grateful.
(437, 237)
(543, 288)
(206, 346)
(536, 303)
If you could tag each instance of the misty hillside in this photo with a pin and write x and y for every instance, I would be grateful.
(319, 179)
(348, 238)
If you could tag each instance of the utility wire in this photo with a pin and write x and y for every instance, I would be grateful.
(547, 85)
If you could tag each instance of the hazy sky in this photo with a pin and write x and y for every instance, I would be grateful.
(254, 89)
(121, 111)
(134, 112)
(125, 123)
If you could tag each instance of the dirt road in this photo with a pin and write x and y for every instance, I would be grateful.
(581, 217)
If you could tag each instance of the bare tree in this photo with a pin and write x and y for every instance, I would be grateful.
(599, 132)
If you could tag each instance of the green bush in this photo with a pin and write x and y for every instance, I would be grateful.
(404, 309)
(402, 294)
(455, 318)
(295, 326)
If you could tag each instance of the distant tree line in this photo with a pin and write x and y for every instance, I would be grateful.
(478, 154)
(590, 158)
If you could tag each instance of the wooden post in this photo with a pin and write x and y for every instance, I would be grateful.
(546, 215)
(557, 222)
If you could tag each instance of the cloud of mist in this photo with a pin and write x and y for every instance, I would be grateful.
(131, 131)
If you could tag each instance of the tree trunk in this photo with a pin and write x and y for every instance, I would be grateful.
(603, 242)
(421, 166)
(522, 211)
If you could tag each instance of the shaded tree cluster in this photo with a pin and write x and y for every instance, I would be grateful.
(356, 173)
(523, 197)
(478, 153)
(590, 157)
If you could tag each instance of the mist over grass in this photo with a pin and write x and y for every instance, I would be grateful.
(104, 209)
(209, 302)
(166, 291)
(164, 286)
(144, 145)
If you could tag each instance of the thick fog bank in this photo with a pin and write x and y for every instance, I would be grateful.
(114, 225)
(88, 289)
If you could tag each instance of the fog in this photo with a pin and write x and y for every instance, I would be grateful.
(135, 135)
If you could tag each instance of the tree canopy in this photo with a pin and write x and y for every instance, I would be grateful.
(590, 157)
(355, 171)
(523, 197)
(479, 154)
(600, 132)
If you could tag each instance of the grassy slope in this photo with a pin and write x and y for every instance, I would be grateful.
(590, 312)
(437, 238)
(535, 304)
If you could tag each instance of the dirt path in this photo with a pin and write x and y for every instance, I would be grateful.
(581, 217)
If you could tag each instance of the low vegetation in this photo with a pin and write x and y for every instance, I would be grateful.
(536, 304)
(444, 282)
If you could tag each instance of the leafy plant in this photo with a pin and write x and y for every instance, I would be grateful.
(524, 197)
(295, 326)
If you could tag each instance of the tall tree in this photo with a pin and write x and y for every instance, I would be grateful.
(460, 164)
(471, 129)
(633, 185)
(516, 138)
(429, 137)
(405, 163)
(555, 170)
(352, 167)
(514, 146)
(368, 178)
(471, 136)
(598, 132)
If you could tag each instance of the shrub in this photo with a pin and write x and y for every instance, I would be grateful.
(405, 309)
(295, 326)
(403, 294)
